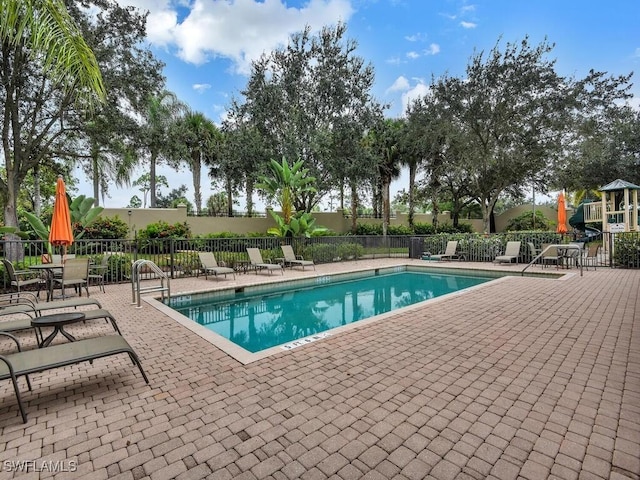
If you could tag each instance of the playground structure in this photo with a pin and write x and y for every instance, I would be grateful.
(617, 211)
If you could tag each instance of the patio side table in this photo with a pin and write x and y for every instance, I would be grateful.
(57, 321)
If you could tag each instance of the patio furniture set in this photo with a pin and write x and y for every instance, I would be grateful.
(45, 356)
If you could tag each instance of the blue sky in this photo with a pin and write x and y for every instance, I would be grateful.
(208, 45)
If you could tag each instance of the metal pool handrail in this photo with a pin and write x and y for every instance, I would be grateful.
(136, 289)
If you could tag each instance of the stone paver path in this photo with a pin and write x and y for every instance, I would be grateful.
(524, 378)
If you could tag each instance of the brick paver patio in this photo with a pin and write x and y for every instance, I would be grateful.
(524, 378)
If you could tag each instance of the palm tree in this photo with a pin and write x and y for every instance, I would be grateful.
(47, 29)
(201, 138)
(387, 145)
(162, 112)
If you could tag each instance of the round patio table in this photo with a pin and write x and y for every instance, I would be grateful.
(57, 321)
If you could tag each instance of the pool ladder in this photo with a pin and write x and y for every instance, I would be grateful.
(137, 289)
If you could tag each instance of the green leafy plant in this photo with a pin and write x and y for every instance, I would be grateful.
(12, 230)
(302, 224)
(284, 184)
(82, 213)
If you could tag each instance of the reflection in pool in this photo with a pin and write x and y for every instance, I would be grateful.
(262, 320)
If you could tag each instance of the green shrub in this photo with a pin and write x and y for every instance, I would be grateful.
(162, 230)
(525, 222)
(152, 239)
(449, 228)
(321, 253)
(418, 229)
(106, 228)
(118, 268)
(399, 230)
(626, 251)
(423, 229)
(350, 251)
(368, 229)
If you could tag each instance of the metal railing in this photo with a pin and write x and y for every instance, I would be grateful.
(179, 257)
(147, 268)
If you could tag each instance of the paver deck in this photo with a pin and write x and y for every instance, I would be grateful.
(524, 378)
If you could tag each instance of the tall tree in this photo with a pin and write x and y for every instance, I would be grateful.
(107, 140)
(512, 109)
(201, 139)
(159, 138)
(387, 145)
(603, 144)
(48, 72)
(300, 96)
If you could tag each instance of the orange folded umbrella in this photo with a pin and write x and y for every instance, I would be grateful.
(61, 233)
(562, 215)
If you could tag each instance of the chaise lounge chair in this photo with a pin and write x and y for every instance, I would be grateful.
(511, 253)
(22, 363)
(255, 258)
(449, 251)
(210, 265)
(20, 324)
(26, 302)
(290, 258)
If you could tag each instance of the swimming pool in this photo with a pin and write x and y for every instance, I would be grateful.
(289, 314)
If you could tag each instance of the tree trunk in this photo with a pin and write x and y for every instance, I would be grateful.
(386, 206)
(195, 172)
(229, 190)
(354, 209)
(413, 167)
(152, 181)
(37, 196)
(249, 194)
(96, 178)
(13, 249)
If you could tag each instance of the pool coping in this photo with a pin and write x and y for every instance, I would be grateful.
(245, 357)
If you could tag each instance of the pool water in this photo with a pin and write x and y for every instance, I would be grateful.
(257, 321)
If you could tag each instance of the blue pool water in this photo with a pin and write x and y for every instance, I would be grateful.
(260, 320)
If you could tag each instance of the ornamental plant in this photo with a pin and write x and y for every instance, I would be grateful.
(284, 185)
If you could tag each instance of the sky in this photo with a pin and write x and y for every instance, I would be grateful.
(208, 46)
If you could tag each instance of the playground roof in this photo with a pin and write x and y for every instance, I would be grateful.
(619, 185)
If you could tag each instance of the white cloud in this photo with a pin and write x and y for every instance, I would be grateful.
(201, 87)
(416, 37)
(413, 55)
(414, 93)
(637, 53)
(393, 61)
(433, 49)
(464, 24)
(240, 30)
(401, 84)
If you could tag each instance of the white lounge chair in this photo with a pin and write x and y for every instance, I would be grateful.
(255, 258)
(449, 251)
(511, 253)
(290, 258)
(210, 265)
